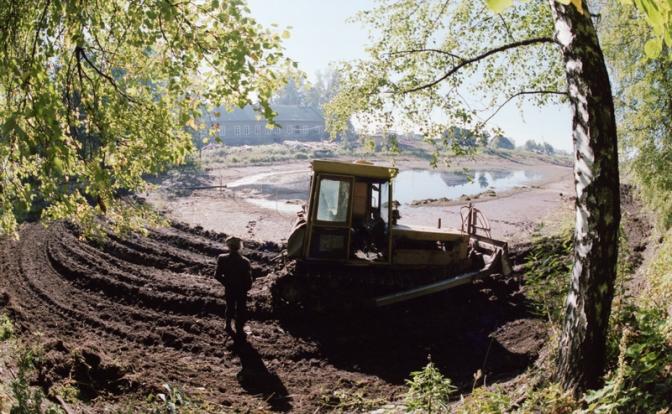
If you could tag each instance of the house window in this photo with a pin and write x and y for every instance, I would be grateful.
(297, 129)
(222, 130)
(246, 130)
(257, 130)
(269, 131)
(276, 131)
(236, 130)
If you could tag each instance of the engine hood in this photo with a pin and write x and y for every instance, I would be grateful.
(428, 233)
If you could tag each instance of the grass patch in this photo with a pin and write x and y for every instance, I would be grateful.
(547, 273)
(174, 400)
(68, 392)
(348, 401)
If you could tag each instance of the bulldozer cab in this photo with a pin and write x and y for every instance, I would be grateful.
(349, 212)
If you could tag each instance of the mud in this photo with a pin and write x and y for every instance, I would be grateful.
(121, 317)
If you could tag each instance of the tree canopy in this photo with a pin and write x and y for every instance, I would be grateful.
(426, 56)
(94, 95)
(644, 87)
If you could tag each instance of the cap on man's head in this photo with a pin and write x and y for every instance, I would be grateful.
(233, 242)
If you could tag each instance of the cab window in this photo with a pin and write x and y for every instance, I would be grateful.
(333, 200)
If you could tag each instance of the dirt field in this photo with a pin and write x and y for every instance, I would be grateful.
(122, 318)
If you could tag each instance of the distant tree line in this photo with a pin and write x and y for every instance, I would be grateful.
(539, 147)
(299, 91)
(469, 139)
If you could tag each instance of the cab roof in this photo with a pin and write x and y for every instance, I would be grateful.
(355, 169)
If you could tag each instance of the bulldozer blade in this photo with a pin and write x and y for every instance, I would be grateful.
(441, 285)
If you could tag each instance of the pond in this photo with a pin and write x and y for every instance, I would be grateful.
(411, 185)
(281, 191)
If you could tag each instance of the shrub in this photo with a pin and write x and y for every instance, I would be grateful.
(486, 401)
(642, 380)
(429, 391)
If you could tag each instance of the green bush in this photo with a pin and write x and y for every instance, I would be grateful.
(6, 327)
(642, 380)
(28, 400)
(429, 391)
(486, 401)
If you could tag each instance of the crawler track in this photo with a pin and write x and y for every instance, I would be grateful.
(148, 307)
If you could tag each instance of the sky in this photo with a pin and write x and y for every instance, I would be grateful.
(320, 34)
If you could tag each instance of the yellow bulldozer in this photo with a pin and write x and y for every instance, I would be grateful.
(351, 250)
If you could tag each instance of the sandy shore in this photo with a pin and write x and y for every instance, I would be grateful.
(247, 207)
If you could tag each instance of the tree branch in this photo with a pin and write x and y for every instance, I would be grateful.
(477, 58)
(420, 50)
(521, 93)
(110, 79)
(444, 6)
(39, 28)
(506, 27)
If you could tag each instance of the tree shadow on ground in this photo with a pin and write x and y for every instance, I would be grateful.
(182, 181)
(462, 330)
(255, 378)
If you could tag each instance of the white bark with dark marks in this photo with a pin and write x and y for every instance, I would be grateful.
(583, 342)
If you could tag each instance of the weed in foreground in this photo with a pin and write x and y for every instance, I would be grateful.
(6, 327)
(429, 391)
(172, 401)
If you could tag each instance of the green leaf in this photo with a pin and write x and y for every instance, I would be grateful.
(498, 6)
(653, 47)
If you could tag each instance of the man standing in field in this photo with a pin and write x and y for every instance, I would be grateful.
(233, 271)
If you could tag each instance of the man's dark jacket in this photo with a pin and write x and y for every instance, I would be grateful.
(233, 271)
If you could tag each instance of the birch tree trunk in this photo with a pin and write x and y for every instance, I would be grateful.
(582, 345)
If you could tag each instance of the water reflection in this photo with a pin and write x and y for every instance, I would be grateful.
(483, 181)
(413, 185)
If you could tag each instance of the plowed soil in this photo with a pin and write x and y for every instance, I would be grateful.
(122, 317)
